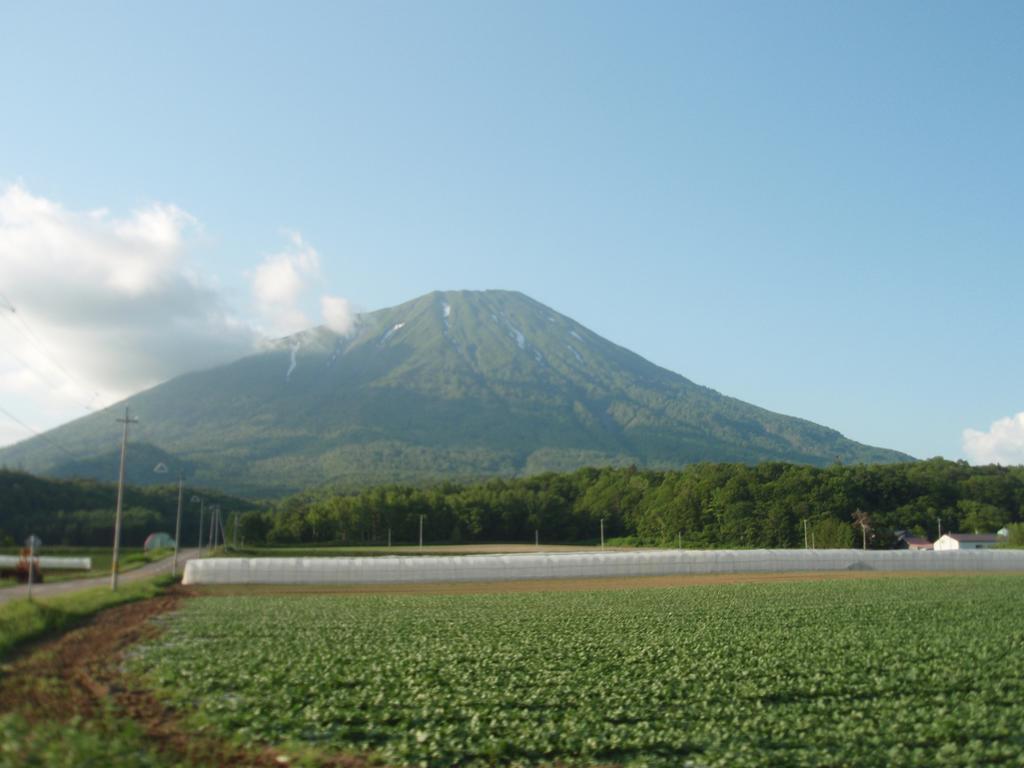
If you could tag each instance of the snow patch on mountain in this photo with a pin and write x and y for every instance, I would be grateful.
(446, 313)
(513, 332)
(518, 336)
(573, 350)
(293, 363)
(394, 329)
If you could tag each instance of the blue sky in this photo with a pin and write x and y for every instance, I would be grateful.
(813, 207)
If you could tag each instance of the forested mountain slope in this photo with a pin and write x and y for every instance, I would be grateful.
(458, 384)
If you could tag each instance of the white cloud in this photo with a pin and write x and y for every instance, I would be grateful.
(286, 283)
(1003, 443)
(107, 306)
(282, 277)
(338, 314)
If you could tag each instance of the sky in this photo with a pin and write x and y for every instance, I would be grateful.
(814, 207)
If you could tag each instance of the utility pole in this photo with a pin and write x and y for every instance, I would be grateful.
(602, 533)
(389, 538)
(536, 538)
(120, 499)
(177, 525)
(940, 527)
(421, 531)
(202, 503)
(805, 533)
(679, 540)
(234, 544)
(214, 514)
(223, 533)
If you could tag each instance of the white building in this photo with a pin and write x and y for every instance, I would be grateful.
(968, 541)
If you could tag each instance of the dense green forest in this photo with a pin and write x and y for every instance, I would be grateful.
(708, 505)
(81, 512)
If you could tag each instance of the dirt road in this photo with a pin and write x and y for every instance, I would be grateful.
(63, 587)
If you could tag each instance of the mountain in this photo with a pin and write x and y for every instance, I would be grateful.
(457, 384)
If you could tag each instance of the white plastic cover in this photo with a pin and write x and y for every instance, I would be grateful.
(574, 565)
(50, 563)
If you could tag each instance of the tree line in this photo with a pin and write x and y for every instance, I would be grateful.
(81, 512)
(773, 504)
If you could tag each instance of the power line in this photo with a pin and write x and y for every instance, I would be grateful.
(37, 343)
(42, 346)
(40, 435)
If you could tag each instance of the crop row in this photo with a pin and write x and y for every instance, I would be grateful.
(917, 671)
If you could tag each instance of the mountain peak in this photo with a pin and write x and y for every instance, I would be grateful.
(457, 384)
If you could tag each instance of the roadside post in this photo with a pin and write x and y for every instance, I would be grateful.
(32, 543)
(177, 526)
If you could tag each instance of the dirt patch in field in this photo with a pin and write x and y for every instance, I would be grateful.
(554, 585)
(81, 674)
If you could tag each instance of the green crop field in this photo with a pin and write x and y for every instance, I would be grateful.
(877, 672)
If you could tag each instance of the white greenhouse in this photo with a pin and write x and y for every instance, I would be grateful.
(575, 565)
(50, 563)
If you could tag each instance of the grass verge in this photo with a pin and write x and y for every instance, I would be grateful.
(22, 621)
(102, 741)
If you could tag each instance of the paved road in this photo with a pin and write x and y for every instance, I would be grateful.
(63, 587)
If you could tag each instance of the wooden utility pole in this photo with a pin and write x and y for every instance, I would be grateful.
(177, 525)
(202, 505)
(223, 533)
(120, 499)
(211, 540)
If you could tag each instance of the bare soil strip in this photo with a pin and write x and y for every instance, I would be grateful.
(81, 674)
